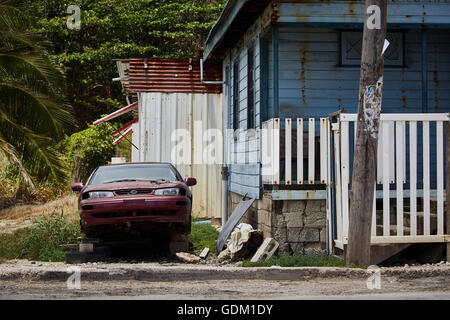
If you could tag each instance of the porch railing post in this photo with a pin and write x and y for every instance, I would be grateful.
(447, 187)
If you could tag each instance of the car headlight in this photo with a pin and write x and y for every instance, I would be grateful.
(101, 194)
(167, 192)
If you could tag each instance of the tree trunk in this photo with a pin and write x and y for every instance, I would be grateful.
(369, 109)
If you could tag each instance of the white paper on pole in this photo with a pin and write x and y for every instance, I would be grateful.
(386, 45)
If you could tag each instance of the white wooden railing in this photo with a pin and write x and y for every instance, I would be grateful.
(271, 147)
(392, 172)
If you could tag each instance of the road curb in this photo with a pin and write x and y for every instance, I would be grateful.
(167, 274)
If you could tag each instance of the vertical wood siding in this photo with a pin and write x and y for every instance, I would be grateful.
(243, 151)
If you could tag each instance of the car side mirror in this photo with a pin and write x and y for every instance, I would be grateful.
(76, 187)
(191, 182)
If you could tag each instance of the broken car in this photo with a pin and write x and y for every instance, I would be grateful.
(135, 200)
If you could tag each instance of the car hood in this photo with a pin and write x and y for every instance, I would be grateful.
(133, 185)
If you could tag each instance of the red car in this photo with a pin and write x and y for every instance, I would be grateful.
(135, 200)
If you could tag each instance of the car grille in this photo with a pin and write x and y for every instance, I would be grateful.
(143, 213)
(132, 192)
(118, 214)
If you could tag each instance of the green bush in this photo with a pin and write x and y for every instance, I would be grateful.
(41, 241)
(93, 146)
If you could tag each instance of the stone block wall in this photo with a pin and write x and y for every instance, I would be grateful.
(299, 226)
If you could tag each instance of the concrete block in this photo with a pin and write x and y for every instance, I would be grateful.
(86, 247)
(266, 250)
(315, 219)
(314, 249)
(303, 235)
(187, 257)
(323, 235)
(313, 206)
(293, 234)
(284, 249)
(294, 219)
(265, 204)
(204, 253)
(280, 233)
(298, 249)
(294, 206)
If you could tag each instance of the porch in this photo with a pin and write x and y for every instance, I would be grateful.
(409, 205)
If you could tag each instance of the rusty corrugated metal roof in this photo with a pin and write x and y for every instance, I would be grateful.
(173, 76)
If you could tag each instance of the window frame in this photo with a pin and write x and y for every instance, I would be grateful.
(400, 63)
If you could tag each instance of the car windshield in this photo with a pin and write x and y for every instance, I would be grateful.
(123, 173)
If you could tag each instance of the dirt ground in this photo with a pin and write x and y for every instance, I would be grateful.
(409, 287)
(21, 216)
(431, 288)
(396, 283)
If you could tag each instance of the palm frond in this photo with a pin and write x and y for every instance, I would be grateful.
(11, 154)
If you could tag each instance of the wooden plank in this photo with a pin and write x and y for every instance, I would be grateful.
(266, 151)
(410, 239)
(323, 150)
(311, 151)
(391, 152)
(346, 117)
(288, 152)
(345, 176)
(440, 176)
(380, 155)
(277, 195)
(400, 143)
(338, 172)
(413, 176)
(374, 211)
(345, 148)
(276, 152)
(426, 178)
(386, 167)
(300, 151)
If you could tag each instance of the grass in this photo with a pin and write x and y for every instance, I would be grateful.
(203, 235)
(41, 241)
(298, 261)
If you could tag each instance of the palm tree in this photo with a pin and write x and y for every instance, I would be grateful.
(32, 113)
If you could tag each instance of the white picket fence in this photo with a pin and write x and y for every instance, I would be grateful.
(392, 176)
(270, 148)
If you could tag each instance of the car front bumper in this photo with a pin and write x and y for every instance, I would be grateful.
(95, 212)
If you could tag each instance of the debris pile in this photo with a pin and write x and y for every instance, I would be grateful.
(245, 243)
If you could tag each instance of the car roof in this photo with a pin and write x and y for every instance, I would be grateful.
(162, 164)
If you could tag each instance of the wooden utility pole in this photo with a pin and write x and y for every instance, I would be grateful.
(365, 157)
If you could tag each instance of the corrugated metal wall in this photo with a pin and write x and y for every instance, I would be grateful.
(160, 115)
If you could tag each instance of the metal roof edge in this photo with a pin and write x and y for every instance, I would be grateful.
(220, 27)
